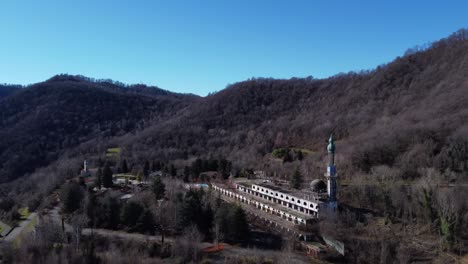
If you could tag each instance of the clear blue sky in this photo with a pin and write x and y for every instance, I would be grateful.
(201, 46)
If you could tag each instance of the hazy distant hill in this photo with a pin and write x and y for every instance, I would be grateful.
(411, 113)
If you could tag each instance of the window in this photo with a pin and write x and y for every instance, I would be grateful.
(292, 199)
(281, 196)
(305, 203)
(287, 198)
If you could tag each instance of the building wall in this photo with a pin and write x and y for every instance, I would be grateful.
(298, 204)
(259, 205)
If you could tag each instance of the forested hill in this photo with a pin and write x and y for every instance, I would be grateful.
(6, 90)
(409, 114)
(41, 121)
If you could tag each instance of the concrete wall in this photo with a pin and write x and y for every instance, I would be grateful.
(259, 205)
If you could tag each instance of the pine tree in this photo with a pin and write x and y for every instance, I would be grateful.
(239, 225)
(158, 188)
(296, 180)
(124, 166)
(173, 171)
(107, 176)
(71, 196)
(131, 212)
(99, 178)
(91, 209)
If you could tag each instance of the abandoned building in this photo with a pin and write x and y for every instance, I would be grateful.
(277, 198)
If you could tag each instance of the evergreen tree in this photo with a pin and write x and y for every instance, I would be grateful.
(71, 196)
(146, 223)
(189, 211)
(107, 176)
(91, 209)
(159, 188)
(99, 175)
(124, 166)
(239, 225)
(222, 220)
(205, 222)
(173, 171)
(296, 180)
(131, 212)
(109, 213)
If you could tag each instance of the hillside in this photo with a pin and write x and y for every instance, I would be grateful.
(43, 120)
(6, 90)
(406, 115)
(409, 114)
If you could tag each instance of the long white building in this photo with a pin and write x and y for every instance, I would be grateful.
(296, 206)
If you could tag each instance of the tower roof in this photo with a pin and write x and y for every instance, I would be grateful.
(331, 144)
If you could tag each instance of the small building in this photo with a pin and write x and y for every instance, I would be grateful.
(314, 249)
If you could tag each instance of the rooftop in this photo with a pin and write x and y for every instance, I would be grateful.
(281, 186)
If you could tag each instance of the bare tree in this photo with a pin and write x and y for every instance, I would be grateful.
(188, 245)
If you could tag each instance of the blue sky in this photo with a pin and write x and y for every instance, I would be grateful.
(201, 46)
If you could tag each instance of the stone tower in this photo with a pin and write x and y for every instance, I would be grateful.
(331, 174)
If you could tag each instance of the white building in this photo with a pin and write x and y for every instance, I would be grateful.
(297, 206)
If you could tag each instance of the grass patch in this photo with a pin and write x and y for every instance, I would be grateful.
(4, 227)
(112, 152)
(24, 212)
(303, 150)
(30, 227)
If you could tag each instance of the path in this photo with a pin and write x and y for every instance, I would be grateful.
(55, 216)
(5, 229)
(23, 227)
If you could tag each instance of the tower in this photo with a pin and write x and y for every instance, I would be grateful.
(85, 166)
(331, 174)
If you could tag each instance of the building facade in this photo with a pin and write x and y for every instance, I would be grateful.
(295, 206)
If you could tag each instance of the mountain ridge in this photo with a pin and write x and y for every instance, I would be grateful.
(380, 117)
